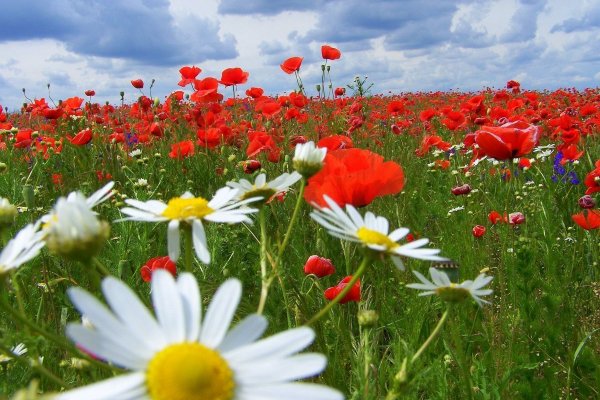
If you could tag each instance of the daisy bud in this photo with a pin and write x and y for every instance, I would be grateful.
(318, 266)
(8, 212)
(3, 167)
(587, 202)
(308, 159)
(368, 318)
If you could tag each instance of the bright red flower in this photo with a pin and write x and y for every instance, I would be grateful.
(352, 295)
(262, 141)
(496, 217)
(330, 53)
(52, 113)
(156, 263)
(137, 83)
(206, 91)
(592, 180)
(82, 138)
(339, 91)
(234, 76)
(254, 92)
(511, 140)
(335, 142)
(291, 65)
(588, 219)
(318, 266)
(478, 231)
(250, 166)
(524, 162)
(354, 176)
(90, 93)
(182, 149)
(188, 75)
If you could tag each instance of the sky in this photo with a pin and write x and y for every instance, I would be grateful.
(399, 45)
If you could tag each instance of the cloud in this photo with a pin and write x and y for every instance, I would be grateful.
(589, 21)
(138, 30)
(266, 7)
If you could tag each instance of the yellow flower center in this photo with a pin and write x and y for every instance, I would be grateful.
(369, 236)
(453, 293)
(265, 192)
(180, 208)
(189, 371)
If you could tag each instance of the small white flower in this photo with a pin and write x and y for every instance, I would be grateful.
(308, 158)
(372, 232)
(190, 210)
(135, 153)
(441, 285)
(455, 209)
(263, 189)
(17, 350)
(180, 355)
(141, 183)
(22, 248)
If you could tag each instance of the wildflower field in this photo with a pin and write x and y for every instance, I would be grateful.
(329, 243)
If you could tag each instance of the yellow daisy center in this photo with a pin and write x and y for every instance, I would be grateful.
(180, 208)
(265, 192)
(189, 371)
(369, 236)
(453, 293)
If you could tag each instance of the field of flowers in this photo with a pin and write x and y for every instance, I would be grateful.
(327, 244)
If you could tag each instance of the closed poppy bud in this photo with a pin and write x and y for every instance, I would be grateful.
(587, 201)
(478, 231)
(516, 218)
(157, 263)
(352, 295)
(460, 190)
(137, 83)
(396, 130)
(90, 93)
(251, 165)
(318, 266)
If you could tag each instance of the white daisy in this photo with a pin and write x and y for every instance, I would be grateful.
(99, 196)
(22, 248)
(191, 210)
(181, 356)
(452, 292)
(308, 158)
(262, 188)
(17, 350)
(372, 232)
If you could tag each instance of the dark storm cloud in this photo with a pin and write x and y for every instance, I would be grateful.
(137, 30)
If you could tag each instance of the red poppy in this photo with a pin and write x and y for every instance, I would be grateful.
(496, 217)
(460, 190)
(206, 91)
(524, 162)
(339, 91)
(155, 263)
(254, 92)
(82, 138)
(57, 179)
(352, 295)
(234, 76)
(588, 219)
(592, 180)
(330, 53)
(513, 139)
(354, 176)
(188, 75)
(250, 166)
(335, 142)
(90, 93)
(182, 149)
(210, 138)
(429, 141)
(318, 266)
(516, 218)
(261, 141)
(137, 83)
(52, 113)
(586, 201)
(291, 65)
(478, 231)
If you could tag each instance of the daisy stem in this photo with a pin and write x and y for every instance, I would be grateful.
(35, 365)
(101, 267)
(286, 238)
(265, 283)
(361, 269)
(431, 337)
(187, 247)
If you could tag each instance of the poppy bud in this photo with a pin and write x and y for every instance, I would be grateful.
(353, 295)
(478, 231)
(318, 266)
(586, 201)
(460, 190)
(137, 83)
(90, 93)
(157, 263)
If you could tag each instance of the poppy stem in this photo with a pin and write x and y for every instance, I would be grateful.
(286, 238)
(361, 269)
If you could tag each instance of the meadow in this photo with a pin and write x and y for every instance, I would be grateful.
(503, 182)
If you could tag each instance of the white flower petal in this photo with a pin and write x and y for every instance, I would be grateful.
(220, 313)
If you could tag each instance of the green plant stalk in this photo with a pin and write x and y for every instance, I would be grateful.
(431, 337)
(35, 365)
(265, 283)
(101, 267)
(361, 269)
(286, 238)
(461, 360)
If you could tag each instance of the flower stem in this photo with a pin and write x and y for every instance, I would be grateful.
(265, 283)
(432, 336)
(361, 269)
(286, 238)
(101, 267)
(35, 365)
